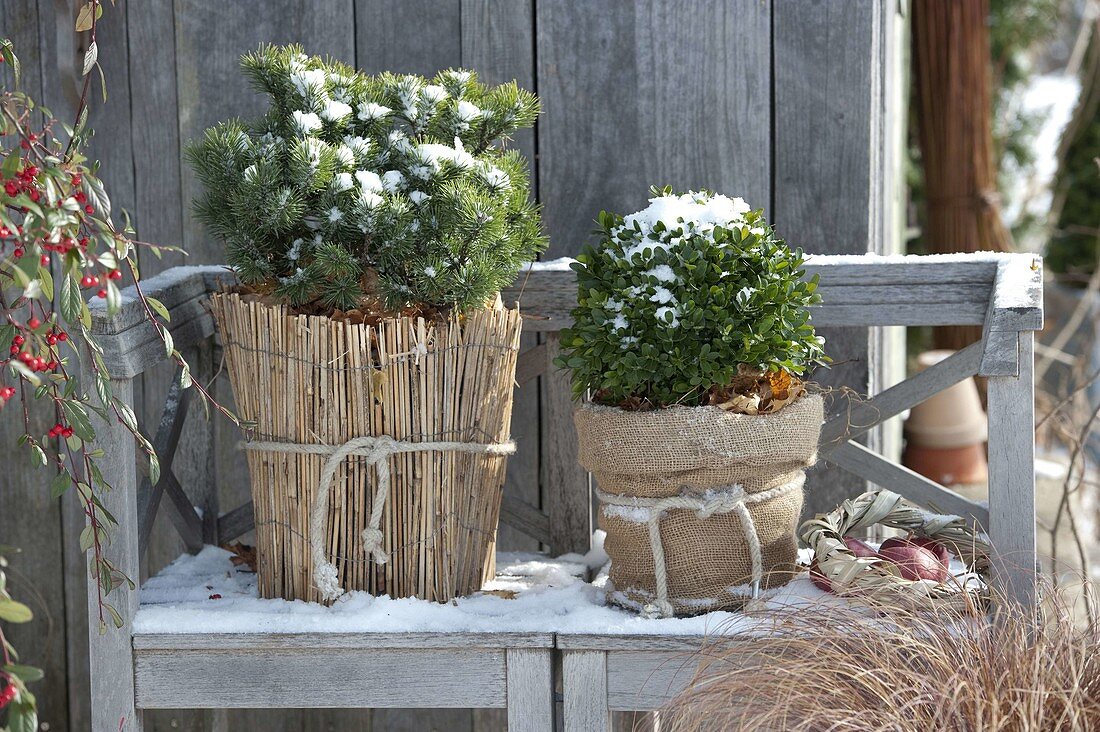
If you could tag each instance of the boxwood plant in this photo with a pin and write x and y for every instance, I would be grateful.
(683, 299)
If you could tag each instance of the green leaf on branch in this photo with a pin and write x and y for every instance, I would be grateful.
(15, 612)
(90, 57)
(71, 301)
(60, 484)
(78, 420)
(85, 16)
(115, 617)
(26, 674)
(158, 307)
(22, 716)
(87, 538)
(7, 51)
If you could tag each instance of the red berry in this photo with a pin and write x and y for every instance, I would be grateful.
(51, 339)
(89, 209)
(7, 694)
(18, 340)
(77, 179)
(10, 188)
(51, 365)
(34, 323)
(25, 145)
(13, 350)
(45, 260)
(67, 432)
(4, 232)
(215, 596)
(101, 294)
(62, 336)
(17, 253)
(115, 274)
(87, 281)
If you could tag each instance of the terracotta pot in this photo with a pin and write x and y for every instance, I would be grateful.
(964, 465)
(952, 418)
(946, 434)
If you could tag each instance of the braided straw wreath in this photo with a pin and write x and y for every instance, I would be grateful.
(877, 579)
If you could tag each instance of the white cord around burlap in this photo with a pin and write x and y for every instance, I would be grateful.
(377, 451)
(717, 501)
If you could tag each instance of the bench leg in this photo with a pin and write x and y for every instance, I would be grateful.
(530, 689)
(1012, 476)
(584, 685)
(111, 657)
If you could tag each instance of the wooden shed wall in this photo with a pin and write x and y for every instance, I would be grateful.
(791, 104)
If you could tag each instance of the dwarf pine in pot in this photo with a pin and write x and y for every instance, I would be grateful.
(371, 220)
(354, 188)
(691, 334)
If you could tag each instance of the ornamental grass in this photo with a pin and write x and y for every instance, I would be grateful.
(900, 670)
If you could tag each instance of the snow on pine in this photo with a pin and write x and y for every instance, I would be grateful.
(550, 596)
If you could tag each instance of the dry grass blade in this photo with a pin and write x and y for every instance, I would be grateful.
(891, 669)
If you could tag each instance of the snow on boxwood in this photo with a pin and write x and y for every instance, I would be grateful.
(679, 295)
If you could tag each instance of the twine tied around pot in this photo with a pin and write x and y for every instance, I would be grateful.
(717, 501)
(376, 450)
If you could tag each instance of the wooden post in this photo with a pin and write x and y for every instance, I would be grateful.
(584, 688)
(110, 651)
(568, 499)
(530, 689)
(1012, 476)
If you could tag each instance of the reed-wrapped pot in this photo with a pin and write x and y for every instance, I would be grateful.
(700, 505)
(376, 452)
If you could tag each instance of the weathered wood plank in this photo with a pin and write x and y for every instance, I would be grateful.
(164, 444)
(837, 159)
(497, 42)
(680, 102)
(110, 654)
(1016, 305)
(138, 349)
(30, 521)
(643, 680)
(234, 524)
(530, 697)
(61, 51)
(628, 642)
(531, 364)
(1011, 408)
(861, 461)
(567, 484)
(584, 688)
(861, 416)
(384, 677)
(521, 515)
(408, 37)
(262, 642)
(183, 514)
(1018, 294)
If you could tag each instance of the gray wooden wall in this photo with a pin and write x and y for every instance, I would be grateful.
(791, 104)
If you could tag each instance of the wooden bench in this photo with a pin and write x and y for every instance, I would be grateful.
(600, 672)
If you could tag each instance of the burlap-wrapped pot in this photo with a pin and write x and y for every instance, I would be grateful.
(694, 483)
(310, 386)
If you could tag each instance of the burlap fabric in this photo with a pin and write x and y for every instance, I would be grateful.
(699, 452)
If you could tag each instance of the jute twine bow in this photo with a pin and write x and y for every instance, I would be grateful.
(718, 501)
(376, 451)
